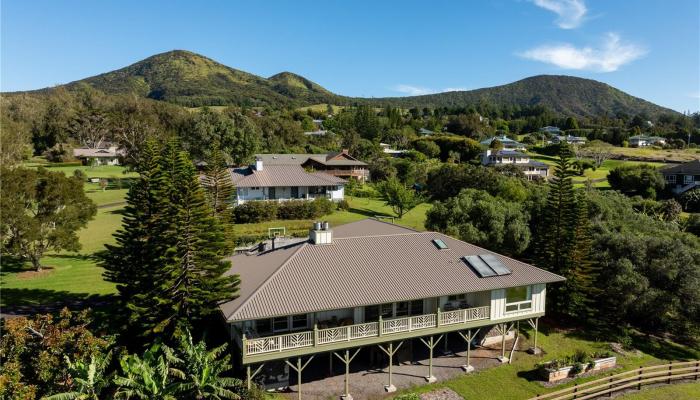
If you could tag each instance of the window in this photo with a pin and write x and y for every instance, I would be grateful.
(402, 309)
(386, 310)
(439, 244)
(417, 307)
(688, 179)
(671, 178)
(263, 326)
(371, 313)
(254, 188)
(518, 298)
(299, 321)
(457, 297)
(280, 324)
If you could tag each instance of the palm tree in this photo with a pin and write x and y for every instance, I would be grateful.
(202, 370)
(90, 378)
(150, 377)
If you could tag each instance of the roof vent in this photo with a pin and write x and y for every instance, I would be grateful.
(321, 233)
(486, 265)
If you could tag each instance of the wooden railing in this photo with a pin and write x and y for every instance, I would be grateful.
(360, 331)
(633, 379)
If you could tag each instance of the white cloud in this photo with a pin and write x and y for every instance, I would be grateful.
(570, 12)
(695, 95)
(610, 56)
(412, 90)
(417, 90)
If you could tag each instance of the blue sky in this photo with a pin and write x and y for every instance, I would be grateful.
(648, 48)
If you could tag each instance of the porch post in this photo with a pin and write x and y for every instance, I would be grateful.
(468, 338)
(430, 344)
(299, 368)
(390, 351)
(250, 375)
(503, 331)
(534, 324)
(346, 359)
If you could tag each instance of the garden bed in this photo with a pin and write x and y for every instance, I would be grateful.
(576, 365)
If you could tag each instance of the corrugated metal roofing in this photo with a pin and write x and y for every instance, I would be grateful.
(691, 167)
(281, 175)
(366, 270)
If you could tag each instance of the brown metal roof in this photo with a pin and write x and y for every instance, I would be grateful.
(691, 167)
(335, 158)
(281, 175)
(364, 270)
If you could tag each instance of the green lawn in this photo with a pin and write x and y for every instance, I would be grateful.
(360, 208)
(75, 275)
(680, 391)
(519, 380)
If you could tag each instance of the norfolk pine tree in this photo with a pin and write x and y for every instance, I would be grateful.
(218, 187)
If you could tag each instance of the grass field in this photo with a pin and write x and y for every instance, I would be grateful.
(680, 391)
(519, 381)
(74, 276)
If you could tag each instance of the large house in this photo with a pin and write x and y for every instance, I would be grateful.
(682, 177)
(532, 169)
(340, 164)
(508, 144)
(284, 182)
(644, 141)
(108, 155)
(371, 285)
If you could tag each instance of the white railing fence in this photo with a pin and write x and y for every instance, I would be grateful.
(361, 331)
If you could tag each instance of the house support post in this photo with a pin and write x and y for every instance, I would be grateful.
(250, 375)
(299, 368)
(468, 338)
(503, 330)
(390, 351)
(346, 359)
(431, 344)
(534, 323)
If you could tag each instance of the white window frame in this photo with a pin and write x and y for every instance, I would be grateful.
(671, 178)
(523, 305)
(688, 181)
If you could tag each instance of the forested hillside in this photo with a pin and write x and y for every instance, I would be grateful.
(192, 80)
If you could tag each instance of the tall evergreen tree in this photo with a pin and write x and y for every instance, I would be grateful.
(218, 186)
(558, 225)
(581, 290)
(168, 261)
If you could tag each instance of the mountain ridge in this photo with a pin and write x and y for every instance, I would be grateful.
(192, 80)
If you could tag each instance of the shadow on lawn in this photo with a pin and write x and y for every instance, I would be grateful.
(40, 301)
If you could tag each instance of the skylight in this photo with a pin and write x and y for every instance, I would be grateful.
(439, 244)
(486, 265)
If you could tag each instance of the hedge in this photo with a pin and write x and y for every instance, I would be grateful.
(259, 211)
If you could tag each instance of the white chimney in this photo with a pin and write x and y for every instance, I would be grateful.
(258, 164)
(321, 233)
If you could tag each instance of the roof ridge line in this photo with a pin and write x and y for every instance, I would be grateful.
(269, 278)
(385, 235)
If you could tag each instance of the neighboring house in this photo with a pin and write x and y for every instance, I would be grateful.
(340, 164)
(643, 141)
(101, 156)
(551, 129)
(574, 140)
(319, 132)
(284, 182)
(425, 132)
(386, 148)
(682, 177)
(529, 167)
(508, 144)
(368, 284)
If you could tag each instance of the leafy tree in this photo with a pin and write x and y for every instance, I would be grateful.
(570, 123)
(237, 136)
(90, 128)
(367, 123)
(598, 151)
(202, 370)
(690, 200)
(41, 211)
(150, 376)
(398, 197)
(496, 145)
(427, 147)
(477, 217)
(643, 179)
(33, 352)
(88, 379)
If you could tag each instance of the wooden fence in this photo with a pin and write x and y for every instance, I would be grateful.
(633, 379)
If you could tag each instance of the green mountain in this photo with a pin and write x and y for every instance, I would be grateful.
(192, 80)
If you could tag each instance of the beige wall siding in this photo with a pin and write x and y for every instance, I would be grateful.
(498, 302)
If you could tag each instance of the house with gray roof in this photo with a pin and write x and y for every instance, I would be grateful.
(531, 168)
(371, 284)
(682, 177)
(645, 140)
(282, 182)
(508, 143)
(340, 164)
(107, 155)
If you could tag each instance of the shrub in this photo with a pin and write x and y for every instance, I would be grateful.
(690, 200)
(644, 180)
(255, 211)
(343, 205)
(322, 207)
(296, 209)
